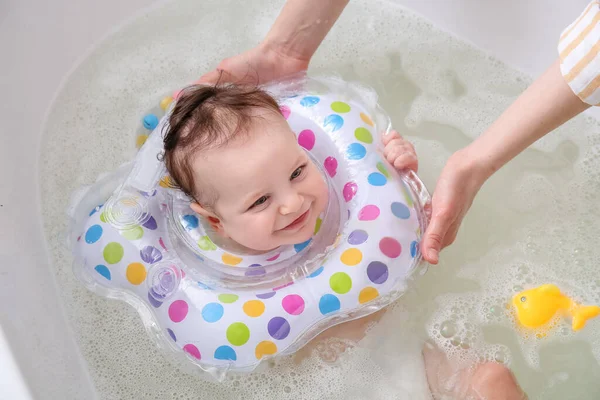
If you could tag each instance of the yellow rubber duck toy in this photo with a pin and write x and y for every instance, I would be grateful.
(536, 307)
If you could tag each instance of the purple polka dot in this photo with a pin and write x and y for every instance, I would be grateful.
(150, 224)
(150, 254)
(377, 272)
(358, 237)
(257, 271)
(278, 328)
(265, 296)
(152, 299)
(172, 335)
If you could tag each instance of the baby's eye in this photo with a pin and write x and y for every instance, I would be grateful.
(260, 201)
(297, 172)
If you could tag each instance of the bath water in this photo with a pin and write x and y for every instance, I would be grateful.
(536, 221)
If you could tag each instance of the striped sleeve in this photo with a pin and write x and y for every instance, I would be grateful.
(578, 49)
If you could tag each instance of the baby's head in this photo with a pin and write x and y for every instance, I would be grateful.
(231, 151)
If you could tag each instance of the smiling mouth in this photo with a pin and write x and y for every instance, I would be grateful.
(298, 222)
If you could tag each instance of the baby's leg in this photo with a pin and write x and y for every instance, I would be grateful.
(486, 381)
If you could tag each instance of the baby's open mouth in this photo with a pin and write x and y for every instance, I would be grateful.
(298, 222)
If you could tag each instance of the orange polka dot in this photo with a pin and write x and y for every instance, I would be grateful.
(229, 259)
(366, 119)
(351, 257)
(140, 140)
(265, 348)
(136, 273)
(254, 308)
(367, 294)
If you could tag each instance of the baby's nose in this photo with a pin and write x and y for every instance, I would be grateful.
(291, 203)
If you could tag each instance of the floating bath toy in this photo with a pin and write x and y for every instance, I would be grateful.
(536, 307)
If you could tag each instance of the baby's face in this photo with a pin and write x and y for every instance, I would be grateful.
(269, 192)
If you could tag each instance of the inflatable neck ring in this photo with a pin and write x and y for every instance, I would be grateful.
(135, 238)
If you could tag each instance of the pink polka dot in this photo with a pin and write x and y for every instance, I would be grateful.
(349, 190)
(162, 244)
(331, 165)
(293, 304)
(275, 257)
(178, 310)
(390, 247)
(285, 111)
(368, 213)
(306, 139)
(192, 351)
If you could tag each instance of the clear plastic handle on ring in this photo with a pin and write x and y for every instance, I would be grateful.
(128, 206)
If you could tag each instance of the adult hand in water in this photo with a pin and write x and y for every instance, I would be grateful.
(261, 64)
(288, 47)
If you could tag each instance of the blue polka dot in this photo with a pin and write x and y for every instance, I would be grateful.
(95, 209)
(309, 101)
(172, 335)
(328, 304)
(212, 312)
(150, 122)
(225, 353)
(414, 246)
(301, 246)
(333, 122)
(203, 286)
(317, 272)
(356, 151)
(102, 270)
(400, 210)
(377, 179)
(93, 234)
(190, 222)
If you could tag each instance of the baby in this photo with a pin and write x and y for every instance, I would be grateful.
(232, 152)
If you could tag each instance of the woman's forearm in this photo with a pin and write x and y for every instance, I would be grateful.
(302, 25)
(545, 105)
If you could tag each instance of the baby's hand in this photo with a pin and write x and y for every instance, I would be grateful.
(399, 152)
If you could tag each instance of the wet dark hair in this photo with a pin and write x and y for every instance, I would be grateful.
(206, 117)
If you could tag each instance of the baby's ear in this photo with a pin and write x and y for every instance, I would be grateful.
(215, 222)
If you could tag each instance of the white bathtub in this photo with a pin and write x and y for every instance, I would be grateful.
(42, 42)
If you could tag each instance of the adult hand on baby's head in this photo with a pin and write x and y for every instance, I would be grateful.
(256, 66)
(456, 188)
(400, 152)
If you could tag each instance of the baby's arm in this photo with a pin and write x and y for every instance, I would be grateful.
(400, 152)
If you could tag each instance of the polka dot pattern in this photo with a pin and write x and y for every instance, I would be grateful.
(309, 101)
(225, 353)
(351, 257)
(254, 308)
(357, 237)
(349, 191)
(367, 294)
(363, 135)
(238, 334)
(356, 151)
(293, 304)
(150, 254)
(340, 282)
(377, 179)
(328, 304)
(93, 234)
(103, 271)
(377, 272)
(134, 233)
(265, 348)
(229, 259)
(340, 107)
(331, 164)
(136, 273)
(228, 298)
(212, 312)
(400, 210)
(178, 310)
(306, 139)
(390, 247)
(333, 123)
(192, 351)
(368, 213)
(113, 252)
(278, 328)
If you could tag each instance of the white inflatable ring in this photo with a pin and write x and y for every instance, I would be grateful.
(230, 324)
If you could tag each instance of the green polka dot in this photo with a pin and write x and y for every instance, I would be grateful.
(206, 244)
(238, 334)
(340, 107)
(134, 233)
(363, 135)
(381, 168)
(340, 282)
(318, 225)
(103, 216)
(407, 197)
(113, 253)
(228, 298)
